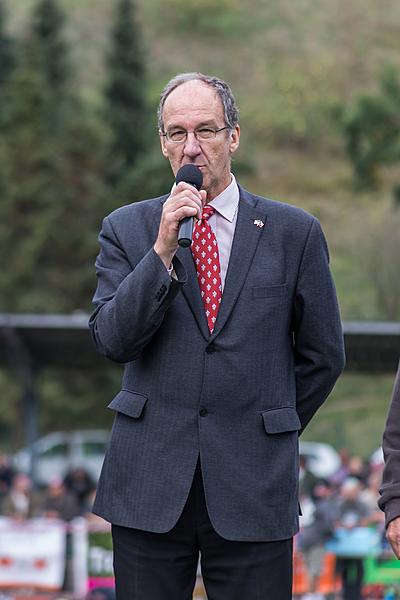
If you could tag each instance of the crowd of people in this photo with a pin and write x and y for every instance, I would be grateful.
(63, 497)
(345, 500)
(340, 503)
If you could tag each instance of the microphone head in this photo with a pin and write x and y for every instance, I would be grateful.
(190, 174)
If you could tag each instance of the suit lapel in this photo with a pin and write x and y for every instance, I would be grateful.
(245, 241)
(191, 290)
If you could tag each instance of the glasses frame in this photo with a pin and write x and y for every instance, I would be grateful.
(166, 134)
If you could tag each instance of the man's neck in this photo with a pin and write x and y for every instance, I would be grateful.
(212, 194)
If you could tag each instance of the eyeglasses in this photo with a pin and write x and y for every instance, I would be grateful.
(202, 135)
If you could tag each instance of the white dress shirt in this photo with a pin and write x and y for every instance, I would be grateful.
(223, 223)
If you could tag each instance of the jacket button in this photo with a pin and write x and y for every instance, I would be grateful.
(211, 348)
(203, 412)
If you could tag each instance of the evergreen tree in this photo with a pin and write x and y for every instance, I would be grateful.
(7, 51)
(8, 58)
(372, 130)
(52, 52)
(125, 111)
(51, 213)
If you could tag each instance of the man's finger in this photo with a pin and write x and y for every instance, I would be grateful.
(395, 547)
(393, 535)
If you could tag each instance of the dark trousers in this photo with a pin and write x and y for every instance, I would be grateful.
(352, 573)
(162, 566)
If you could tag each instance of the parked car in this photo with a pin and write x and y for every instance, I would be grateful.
(322, 459)
(60, 451)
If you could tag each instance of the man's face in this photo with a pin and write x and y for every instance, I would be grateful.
(191, 106)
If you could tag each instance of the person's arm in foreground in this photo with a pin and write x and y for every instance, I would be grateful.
(390, 489)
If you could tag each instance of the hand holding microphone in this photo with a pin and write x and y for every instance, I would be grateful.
(184, 203)
(192, 175)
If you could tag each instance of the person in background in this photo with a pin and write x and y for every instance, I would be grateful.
(342, 471)
(21, 502)
(79, 483)
(312, 537)
(60, 503)
(358, 468)
(351, 512)
(370, 496)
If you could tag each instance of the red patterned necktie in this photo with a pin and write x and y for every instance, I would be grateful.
(206, 258)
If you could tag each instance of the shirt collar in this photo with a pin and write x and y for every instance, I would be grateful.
(227, 201)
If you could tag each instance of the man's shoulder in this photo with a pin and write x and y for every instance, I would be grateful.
(281, 211)
(135, 209)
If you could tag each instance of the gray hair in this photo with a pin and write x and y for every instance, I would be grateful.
(231, 111)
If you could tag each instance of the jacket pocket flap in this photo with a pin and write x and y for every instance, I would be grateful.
(279, 420)
(129, 403)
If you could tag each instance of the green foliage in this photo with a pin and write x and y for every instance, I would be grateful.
(8, 59)
(7, 50)
(380, 248)
(372, 130)
(358, 403)
(205, 17)
(126, 110)
(48, 27)
(54, 193)
(294, 113)
(367, 271)
(69, 399)
(151, 177)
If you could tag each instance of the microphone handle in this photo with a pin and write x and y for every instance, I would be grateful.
(185, 232)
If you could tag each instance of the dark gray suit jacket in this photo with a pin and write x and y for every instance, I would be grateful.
(390, 490)
(237, 398)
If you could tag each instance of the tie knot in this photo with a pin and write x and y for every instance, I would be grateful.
(207, 212)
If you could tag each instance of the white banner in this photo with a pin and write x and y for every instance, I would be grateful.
(32, 553)
(79, 546)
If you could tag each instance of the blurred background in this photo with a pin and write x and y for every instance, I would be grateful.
(318, 87)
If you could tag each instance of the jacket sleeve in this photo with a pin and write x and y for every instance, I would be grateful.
(130, 300)
(318, 337)
(389, 501)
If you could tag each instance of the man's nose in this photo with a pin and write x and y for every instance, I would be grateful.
(192, 146)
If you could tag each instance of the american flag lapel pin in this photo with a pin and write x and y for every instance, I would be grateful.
(258, 223)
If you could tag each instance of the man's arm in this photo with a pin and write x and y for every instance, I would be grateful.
(390, 489)
(318, 337)
(131, 300)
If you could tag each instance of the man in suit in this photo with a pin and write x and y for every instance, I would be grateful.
(389, 501)
(223, 367)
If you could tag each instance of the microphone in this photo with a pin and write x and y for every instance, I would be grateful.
(190, 174)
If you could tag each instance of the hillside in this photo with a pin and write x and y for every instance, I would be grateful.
(290, 64)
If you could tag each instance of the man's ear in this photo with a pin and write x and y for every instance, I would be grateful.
(234, 139)
(163, 145)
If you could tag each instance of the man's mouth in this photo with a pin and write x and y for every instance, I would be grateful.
(195, 165)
